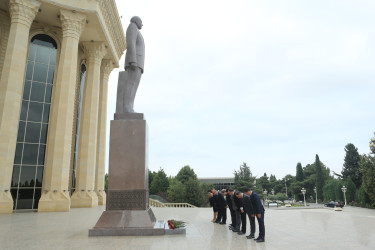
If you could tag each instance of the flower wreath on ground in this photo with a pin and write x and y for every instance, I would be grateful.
(173, 224)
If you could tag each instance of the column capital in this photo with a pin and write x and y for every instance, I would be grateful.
(23, 11)
(94, 51)
(107, 67)
(72, 23)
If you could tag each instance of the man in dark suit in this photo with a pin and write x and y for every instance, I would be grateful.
(222, 205)
(242, 212)
(230, 206)
(259, 212)
(237, 213)
(248, 207)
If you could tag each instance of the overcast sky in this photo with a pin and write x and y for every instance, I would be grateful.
(269, 83)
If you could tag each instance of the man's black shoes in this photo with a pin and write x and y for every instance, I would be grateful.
(241, 233)
(235, 231)
(259, 239)
(251, 236)
(222, 223)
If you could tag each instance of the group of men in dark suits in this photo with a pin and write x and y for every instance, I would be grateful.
(240, 204)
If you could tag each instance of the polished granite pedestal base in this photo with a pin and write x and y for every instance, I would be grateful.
(132, 223)
(126, 222)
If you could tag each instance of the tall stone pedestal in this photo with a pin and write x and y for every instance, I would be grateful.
(127, 210)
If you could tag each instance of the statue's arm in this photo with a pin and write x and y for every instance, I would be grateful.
(131, 38)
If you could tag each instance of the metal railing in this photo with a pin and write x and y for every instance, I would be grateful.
(156, 203)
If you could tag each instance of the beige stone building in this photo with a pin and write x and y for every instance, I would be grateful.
(55, 60)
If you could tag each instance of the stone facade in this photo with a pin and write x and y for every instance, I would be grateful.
(85, 31)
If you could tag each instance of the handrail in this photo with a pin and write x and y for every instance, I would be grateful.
(156, 203)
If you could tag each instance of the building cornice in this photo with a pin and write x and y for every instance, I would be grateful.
(112, 24)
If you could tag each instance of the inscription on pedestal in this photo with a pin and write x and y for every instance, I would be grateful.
(127, 199)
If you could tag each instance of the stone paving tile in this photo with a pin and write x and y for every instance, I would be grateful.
(321, 228)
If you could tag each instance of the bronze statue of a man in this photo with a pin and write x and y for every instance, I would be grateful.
(134, 64)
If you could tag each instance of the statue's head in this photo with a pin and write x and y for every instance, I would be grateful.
(137, 20)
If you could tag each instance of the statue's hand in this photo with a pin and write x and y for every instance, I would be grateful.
(133, 65)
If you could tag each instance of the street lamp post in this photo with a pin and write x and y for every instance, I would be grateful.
(286, 188)
(316, 195)
(343, 189)
(265, 196)
(304, 192)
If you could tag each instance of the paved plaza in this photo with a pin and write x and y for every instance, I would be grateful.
(319, 228)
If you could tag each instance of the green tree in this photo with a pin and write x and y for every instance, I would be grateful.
(299, 172)
(273, 178)
(278, 186)
(319, 177)
(281, 197)
(332, 190)
(295, 189)
(273, 182)
(160, 182)
(106, 182)
(329, 191)
(150, 177)
(192, 192)
(351, 166)
(351, 190)
(367, 164)
(363, 197)
(372, 144)
(264, 183)
(185, 187)
(309, 170)
(309, 185)
(243, 178)
(185, 174)
(310, 179)
(176, 191)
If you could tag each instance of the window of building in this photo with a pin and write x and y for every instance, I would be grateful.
(79, 109)
(26, 184)
(220, 186)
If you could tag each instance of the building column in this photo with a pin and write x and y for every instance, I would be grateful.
(106, 69)
(85, 195)
(55, 196)
(22, 14)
